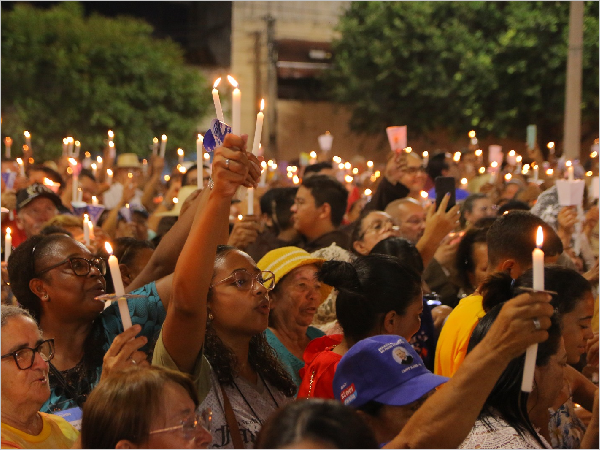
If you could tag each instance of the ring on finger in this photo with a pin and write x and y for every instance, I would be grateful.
(536, 324)
(133, 361)
(227, 163)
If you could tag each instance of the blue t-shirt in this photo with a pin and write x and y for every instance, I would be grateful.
(291, 363)
(147, 311)
(461, 194)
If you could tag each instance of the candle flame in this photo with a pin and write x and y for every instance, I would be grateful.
(155, 140)
(348, 179)
(494, 164)
(262, 104)
(86, 218)
(88, 154)
(589, 173)
(478, 152)
(519, 158)
(274, 166)
(19, 161)
(508, 177)
(73, 161)
(313, 154)
(369, 164)
(464, 181)
(592, 155)
(232, 81)
(569, 163)
(8, 141)
(408, 149)
(164, 137)
(355, 170)
(341, 166)
(182, 169)
(424, 194)
(377, 174)
(111, 144)
(206, 156)
(456, 157)
(26, 134)
(512, 153)
(175, 200)
(337, 159)
(111, 134)
(540, 237)
(200, 137)
(108, 248)
(295, 179)
(48, 182)
(472, 134)
(94, 199)
(368, 192)
(167, 178)
(425, 154)
(550, 144)
(129, 175)
(109, 172)
(180, 151)
(347, 165)
(99, 159)
(482, 170)
(77, 144)
(240, 217)
(216, 83)
(30, 160)
(549, 172)
(65, 141)
(7, 231)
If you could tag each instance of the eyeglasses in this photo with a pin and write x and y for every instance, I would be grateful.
(188, 426)
(80, 266)
(413, 170)
(24, 357)
(244, 280)
(378, 226)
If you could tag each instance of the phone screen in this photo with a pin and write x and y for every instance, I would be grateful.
(444, 185)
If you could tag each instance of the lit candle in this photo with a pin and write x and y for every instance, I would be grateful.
(425, 158)
(464, 182)
(112, 150)
(77, 148)
(456, 157)
(75, 183)
(163, 145)
(551, 147)
(79, 194)
(111, 135)
(263, 174)
(536, 172)
(94, 167)
(109, 176)
(313, 157)
(65, 145)
(368, 192)
(99, 162)
(27, 138)
(115, 274)
(7, 143)
(154, 146)
(94, 200)
(519, 164)
(511, 159)
(70, 143)
(144, 167)
(217, 101)
(250, 199)
(7, 244)
(86, 229)
(570, 171)
(236, 107)
(91, 228)
(180, 154)
(479, 154)
(21, 167)
(538, 285)
(199, 162)
(508, 177)
(472, 137)
(260, 117)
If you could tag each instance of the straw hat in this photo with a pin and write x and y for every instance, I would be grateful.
(125, 160)
(282, 261)
(184, 193)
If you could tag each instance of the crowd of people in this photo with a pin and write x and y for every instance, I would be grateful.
(332, 318)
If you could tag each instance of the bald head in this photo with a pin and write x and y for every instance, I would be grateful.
(409, 214)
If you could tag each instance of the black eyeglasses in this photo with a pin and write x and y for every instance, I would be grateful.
(378, 226)
(25, 357)
(244, 280)
(80, 266)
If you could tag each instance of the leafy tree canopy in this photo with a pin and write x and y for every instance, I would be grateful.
(492, 66)
(64, 74)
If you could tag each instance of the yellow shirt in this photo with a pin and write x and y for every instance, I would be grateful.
(56, 433)
(454, 339)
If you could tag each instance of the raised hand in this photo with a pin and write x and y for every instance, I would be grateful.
(124, 352)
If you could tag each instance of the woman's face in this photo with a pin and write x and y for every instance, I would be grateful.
(577, 328)
(480, 260)
(414, 176)
(407, 324)
(298, 296)
(61, 291)
(375, 227)
(177, 406)
(23, 389)
(237, 311)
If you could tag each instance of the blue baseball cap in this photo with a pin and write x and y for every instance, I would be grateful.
(385, 369)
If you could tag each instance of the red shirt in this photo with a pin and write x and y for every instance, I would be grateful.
(319, 369)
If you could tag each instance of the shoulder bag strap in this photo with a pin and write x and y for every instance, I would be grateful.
(234, 429)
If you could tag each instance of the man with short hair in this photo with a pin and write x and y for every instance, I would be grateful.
(510, 240)
(36, 205)
(409, 215)
(318, 211)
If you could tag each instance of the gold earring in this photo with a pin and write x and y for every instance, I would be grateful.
(210, 316)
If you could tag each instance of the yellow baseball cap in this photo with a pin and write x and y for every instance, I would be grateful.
(282, 261)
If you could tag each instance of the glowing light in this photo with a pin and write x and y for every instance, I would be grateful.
(519, 158)
(377, 174)
(270, 163)
(456, 157)
(263, 164)
(424, 194)
(348, 179)
(180, 152)
(472, 134)
(355, 171)
(26, 134)
(347, 166)
(568, 163)
(550, 144)
(216, 84)
(296, 180)
(589, 173)
(494, 164)
(341, 166)
(175, 200)
(539, 240)
(206, 156)
(337, 159)
(482, 170)
(408, 149)
(464, 181)
(313, 154)
(593, 154)
(111, 135)
(167, 178)
(478, 152)
(232, 81)
(129, 175)
(108, 248)
(508, 177)
(99, 159)
(182, 169)
(368, 192)
(549, 172)
(370, 163)
(73, 161)
(240, 217)
(88, 154)
(155, 140)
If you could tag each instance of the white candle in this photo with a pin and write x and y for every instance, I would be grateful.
(425, 158)
(21, 167)
(236, 107)
(217, 100)
(115, 274)
(250, 201)
(91, 228)
(7, 144)
(27, 139)
(79, 194)
(70, 143)
(536, 173)
(94, 167)
(479, 154)
(99, 162)
(77, 148)
(109, 176)
(538, 285)
(260, 117)
(94, 200)
(65, 145)
(75, 184)
(511, 159)
(154, 146)
(163, 145)
(86, 229)
(263, 175)
(180, 154)
(199, 162)
(7, 244)
(571, 171)
(112, 151)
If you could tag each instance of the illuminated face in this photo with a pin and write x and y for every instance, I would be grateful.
(414, 176)
(305, 212)
(410, 217)
(33, 216)
(577, 328)
(375, 227)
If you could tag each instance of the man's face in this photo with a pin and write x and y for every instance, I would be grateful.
(192, 177)
(410, 217)
(453, 170)
(304, 210)
(32, 217)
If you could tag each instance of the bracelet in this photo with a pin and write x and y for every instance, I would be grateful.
(211, 184)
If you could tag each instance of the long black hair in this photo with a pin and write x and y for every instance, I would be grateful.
(369, 288)
(261, 356)
(506, 397)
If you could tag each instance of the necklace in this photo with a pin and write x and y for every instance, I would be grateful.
(248, 403)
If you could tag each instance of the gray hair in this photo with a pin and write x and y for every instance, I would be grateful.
(9, 311)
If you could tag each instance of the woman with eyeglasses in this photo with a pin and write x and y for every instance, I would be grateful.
(148, 408)
(57, 280)
(217, 316)
(370, 228)
(25, 358)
